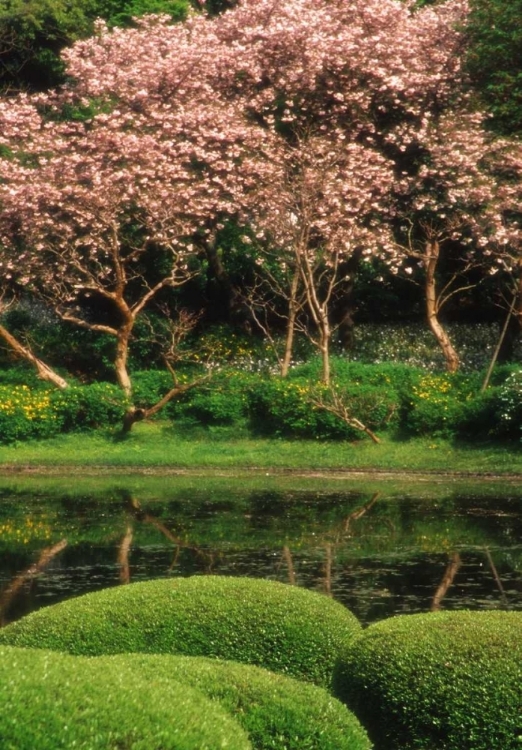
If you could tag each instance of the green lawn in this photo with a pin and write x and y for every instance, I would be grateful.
(156, 445)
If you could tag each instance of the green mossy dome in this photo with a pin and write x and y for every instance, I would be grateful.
(276, 711)
(51, 701)
(280, 627)
(445, 680)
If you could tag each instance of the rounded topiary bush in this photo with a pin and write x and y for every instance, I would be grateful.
(276, 711)
(274, 625)
(50, 701)
(448, 680)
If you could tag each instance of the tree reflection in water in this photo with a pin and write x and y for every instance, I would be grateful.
(380, 554)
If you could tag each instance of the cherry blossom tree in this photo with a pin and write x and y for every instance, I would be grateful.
(89, 206)
(323, 203)
(325, 125)
(374, 83)
(449, 203)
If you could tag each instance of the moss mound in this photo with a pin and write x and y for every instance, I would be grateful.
(51, 701)
(448, 680)
(276, 626)
(276, 711)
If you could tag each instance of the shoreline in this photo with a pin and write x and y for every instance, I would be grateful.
(62, 470)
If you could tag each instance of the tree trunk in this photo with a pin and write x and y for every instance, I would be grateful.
(324, 346)
(293, 307)
(14, 587)
(236, 312)
(123, 555)
(449, 576)
(432, 252)
(514, 330)
(44, 371)
(122, 356)
(345, 306)
(134, 415)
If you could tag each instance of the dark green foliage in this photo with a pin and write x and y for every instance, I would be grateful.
(50, 701)
(214, 7)
(121, 12)
(149, 386)
(494, 60)
(34, 32)
(80, 353)
(449, 680)
(216, 406)
(276, 711)
(20, 374)
(280, 627)
(224, 400)
(478, 418)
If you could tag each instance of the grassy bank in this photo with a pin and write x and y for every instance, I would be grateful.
(157, 445)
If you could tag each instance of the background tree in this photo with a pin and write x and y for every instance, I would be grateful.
(494, 60)
(34, 32)
(319, 207)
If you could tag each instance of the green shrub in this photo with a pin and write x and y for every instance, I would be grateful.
(50, 701)
(27, 413)
(510, 406)
(479, 417)
(89, 407)
(20, 374)
(450, 681)
(276, 711)
(149, 386)
(222, 401)
(280, 627)
(290, 408)
(437, 403)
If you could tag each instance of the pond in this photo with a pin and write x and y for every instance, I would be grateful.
(379, 547)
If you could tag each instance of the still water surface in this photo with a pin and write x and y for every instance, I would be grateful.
(380, 549)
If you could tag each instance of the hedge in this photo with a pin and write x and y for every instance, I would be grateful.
(274, 625)
(448, 680)
(276, 711)
(52, 701)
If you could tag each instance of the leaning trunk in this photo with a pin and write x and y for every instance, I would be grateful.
(432, 252)
(43, 370)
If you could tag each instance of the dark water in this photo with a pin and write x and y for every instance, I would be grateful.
(380, 551)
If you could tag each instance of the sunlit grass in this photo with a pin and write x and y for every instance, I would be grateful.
(156, 445)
